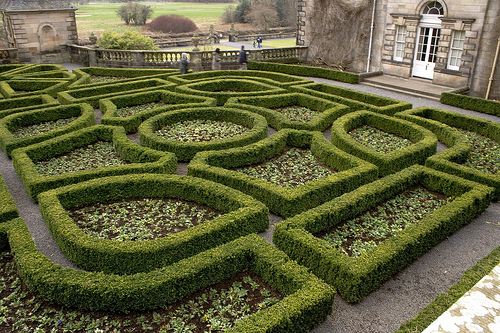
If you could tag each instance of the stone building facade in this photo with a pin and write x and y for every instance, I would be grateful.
(451, 42)
(39, 29)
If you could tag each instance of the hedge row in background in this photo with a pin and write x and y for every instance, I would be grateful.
(28, 87)
(356, 277)
(8, 209)
(11, 123)
(174, 101)
(351, 172)
(256, 124)
(357, 100)
(6, 70)
(54, 74)
(424, 141)
(26, 70)
(21, 104)
(471, 103)
(265, 105)
(442, 122)
(301, 70)
(242, 215)
(141, 159)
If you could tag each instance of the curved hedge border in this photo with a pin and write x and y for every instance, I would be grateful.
(221, 89)
(242, 215)
(6, 70)
(277, 79)
(471, 103)
(142, 159)
(9, 88)
(8, 209)
(351, 171)
(354, 278)
(357, 100)
(424, 141)
(21, 104)
(92, 95)
(300, 70)
(263, 105)
(109, 107)
(307, 302)
(9, 124)
(450, 160)
(186, 150)
(55, 74)
(31, 69)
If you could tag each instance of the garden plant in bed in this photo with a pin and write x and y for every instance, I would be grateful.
(358, 240)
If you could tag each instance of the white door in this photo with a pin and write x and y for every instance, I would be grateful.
(426, 52)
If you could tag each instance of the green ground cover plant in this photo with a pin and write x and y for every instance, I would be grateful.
(378, 140)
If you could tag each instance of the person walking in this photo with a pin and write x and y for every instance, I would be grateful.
(216, 60)
(184, 63)
(242, 59)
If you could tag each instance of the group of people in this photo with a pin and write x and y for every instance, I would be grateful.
(259, 42)
(216, 61)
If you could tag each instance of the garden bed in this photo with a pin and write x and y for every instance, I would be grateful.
(21, 104)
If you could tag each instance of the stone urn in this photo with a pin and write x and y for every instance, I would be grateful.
(93, 38)
(196, 40)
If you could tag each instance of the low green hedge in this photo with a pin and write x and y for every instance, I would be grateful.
(471, 103)
(272, 78)
(302, 70)
(357, 100)
(307, 303)
(8, 209)
(142, 159)
(424, 141)
(264, 106)
(450, 161)
(356, 277)
(242, 215)
(351, 172)
(186, 150)
(6, 70)
(28, 87)
(31, 69)
(9, 124)
(21, 104)
(174, 101)
(223, 89)
(92, 95)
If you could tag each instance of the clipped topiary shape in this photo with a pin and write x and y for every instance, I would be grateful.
(356, 277)
(21, 104)
(424, 141)
(220, 166)
(186, 149)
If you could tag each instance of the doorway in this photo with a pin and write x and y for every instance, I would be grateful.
(426, 52)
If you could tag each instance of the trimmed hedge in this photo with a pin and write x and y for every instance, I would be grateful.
(264, 106)
(351, 171)
(424, 141)
(223, 89)
(30, 69)
(357, 100)
(6, 70)
(242, 215)
(142, 159)
(109, 107)
(276, 79)
(8, 209)
(92, 95)
(471, 103)
(307, 302)
(301, 70)
(186, 150)
(356, 277)
(56, 74)
(9, 124)
(450, 161)
(28, 87)
(21, 104)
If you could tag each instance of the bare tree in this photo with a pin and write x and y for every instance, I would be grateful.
(263, 16)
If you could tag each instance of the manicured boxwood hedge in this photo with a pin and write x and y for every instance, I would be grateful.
(8, 209)
(356, 277)
(223, 89)
(264, 106)
(242, 215)
(142, 159)
(21, 104)
(9, 124)
(31, 69)
(424, 141)
(175, 101)
(92, 95)
(308, 300)
(351, 172)
(28, 87)
(6, 70)
(451, 160)
(357, 100)
(471, 103)
(272, 78)
(56, 74)
(186, 150)
(302, 70)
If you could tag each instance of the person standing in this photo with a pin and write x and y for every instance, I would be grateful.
(184, 63)
(242, 59)
(216, 60)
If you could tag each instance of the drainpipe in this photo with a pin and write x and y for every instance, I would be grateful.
(371, 37)
(493, 70)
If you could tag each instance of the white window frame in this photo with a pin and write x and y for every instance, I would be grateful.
(399, 42)
(456, 49)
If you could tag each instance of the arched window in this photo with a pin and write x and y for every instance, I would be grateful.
(433, 8)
